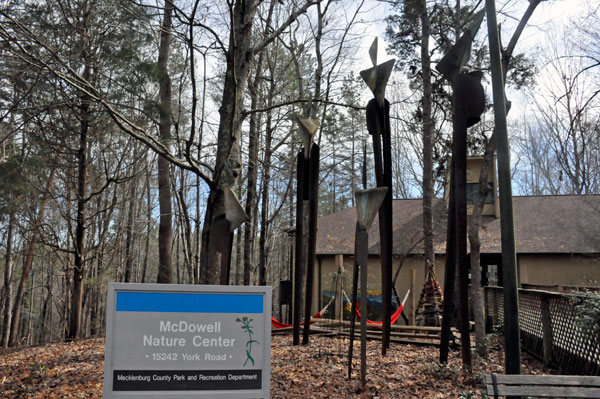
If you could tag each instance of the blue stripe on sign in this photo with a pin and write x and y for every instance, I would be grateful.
(170, 302)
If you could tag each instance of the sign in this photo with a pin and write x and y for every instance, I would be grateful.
(172, 341)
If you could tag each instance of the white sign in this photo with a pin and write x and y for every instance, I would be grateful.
(177, 341)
